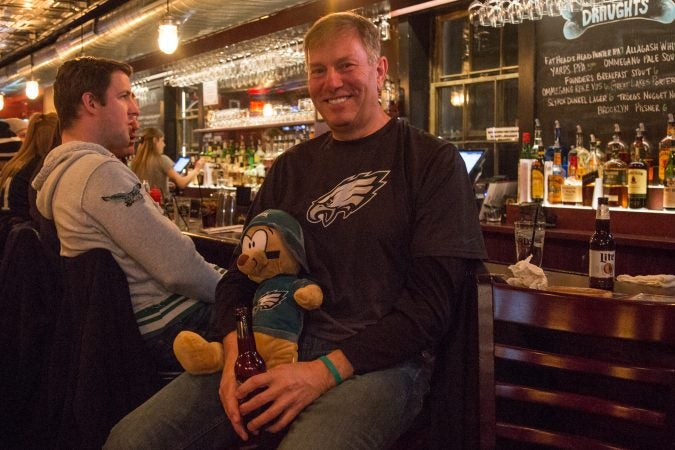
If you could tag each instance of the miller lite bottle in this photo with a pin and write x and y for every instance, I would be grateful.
(601, 250)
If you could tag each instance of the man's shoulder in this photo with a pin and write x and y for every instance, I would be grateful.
(418, 135)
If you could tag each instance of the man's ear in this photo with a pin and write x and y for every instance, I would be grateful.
(89, 102)
(382, 68)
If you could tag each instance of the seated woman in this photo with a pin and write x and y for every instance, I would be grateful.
(42, 135)
(152, 165)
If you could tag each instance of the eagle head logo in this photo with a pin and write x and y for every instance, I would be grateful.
(347, 197)
(270, 299)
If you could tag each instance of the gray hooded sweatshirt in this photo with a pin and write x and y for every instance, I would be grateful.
(96, 201)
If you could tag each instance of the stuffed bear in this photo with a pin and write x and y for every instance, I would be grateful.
(272, 254)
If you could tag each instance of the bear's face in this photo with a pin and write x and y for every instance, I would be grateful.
(265, 255)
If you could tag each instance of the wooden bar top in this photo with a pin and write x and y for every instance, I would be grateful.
(622, 290)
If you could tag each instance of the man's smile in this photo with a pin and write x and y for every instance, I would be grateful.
(337, 100)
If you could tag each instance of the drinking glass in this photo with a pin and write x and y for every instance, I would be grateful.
(529, 238)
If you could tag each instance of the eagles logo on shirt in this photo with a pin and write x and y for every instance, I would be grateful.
(129, 198)
(270, 299)
(347, 197)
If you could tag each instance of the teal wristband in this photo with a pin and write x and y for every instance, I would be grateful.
(331, 367)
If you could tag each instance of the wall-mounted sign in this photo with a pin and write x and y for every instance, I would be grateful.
(210, 89)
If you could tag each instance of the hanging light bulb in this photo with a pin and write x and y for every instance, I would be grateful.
(168, 33)
(2, 101)
(32, 86)
(32, 89)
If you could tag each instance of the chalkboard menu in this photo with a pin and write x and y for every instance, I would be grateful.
(620, 71)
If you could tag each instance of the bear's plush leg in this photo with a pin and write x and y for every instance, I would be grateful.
(196, 355)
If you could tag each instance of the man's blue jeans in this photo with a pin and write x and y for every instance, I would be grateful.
(365, 412)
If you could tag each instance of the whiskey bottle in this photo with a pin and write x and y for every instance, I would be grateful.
(614, 173)
(557, 176)
(537, 170)
(666, 146)
(650, 158)
(576, 168)
(602, 249)
(669, 183)
(582, 153)
(637, 174)
(593, 171)
(618, 147)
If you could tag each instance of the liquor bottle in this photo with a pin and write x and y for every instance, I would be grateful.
(582, 155)
(650, 157)
(557, 144)
(601, 253)
(526, 148)
(617, 146)
(557, 176)
(537, 143)
(537, 169)
(576, 168)
(669, 183)
(593, 171)
(524, 169)
(573, 161)
(614, 173)
(637, 174)
(666, 146)
(249, 362)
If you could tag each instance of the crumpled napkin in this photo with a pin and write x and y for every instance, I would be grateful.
(527, 275)
(666, 281)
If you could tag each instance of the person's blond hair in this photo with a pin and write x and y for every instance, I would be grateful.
(327, 27)
(42, 135)
(147, 152)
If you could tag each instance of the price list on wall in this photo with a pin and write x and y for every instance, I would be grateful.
(621, 72)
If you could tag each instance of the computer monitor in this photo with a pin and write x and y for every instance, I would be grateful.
(474, 159)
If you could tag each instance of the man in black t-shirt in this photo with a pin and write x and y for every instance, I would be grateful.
(390, 228)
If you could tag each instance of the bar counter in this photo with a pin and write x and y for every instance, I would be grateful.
(645, 240)
(622, 290)
(216, 248)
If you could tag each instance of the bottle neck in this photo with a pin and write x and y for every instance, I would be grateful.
(602, 213)
(245, 339)
(580, 141)
(602, 225)
(637, 151)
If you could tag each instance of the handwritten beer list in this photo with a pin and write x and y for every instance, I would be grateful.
(618, 80)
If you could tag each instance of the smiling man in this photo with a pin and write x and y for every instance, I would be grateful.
(391, 230)
(96, 201)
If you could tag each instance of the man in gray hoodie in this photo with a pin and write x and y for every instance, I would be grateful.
(96, 201)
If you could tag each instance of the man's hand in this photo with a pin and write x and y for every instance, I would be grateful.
(287, 390)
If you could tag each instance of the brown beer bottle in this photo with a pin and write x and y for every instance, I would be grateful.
(601, 250)
(249, 362)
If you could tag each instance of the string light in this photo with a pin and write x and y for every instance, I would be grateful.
(168, 33)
